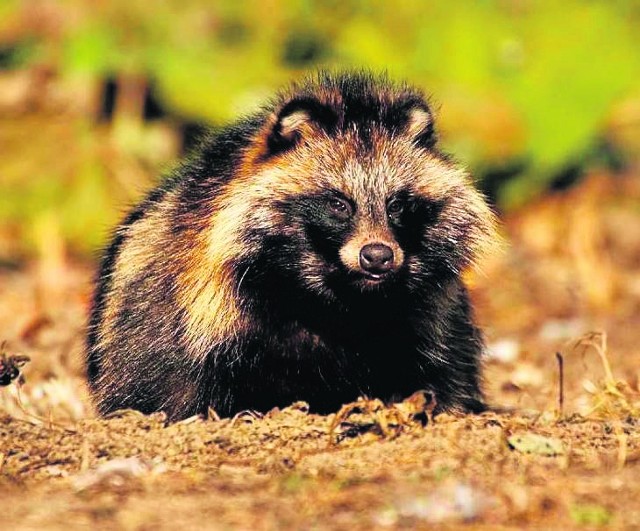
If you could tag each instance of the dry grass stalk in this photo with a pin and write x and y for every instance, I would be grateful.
(560, 361)
(612, 398)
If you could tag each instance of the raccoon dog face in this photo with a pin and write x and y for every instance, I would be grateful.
(356, 198)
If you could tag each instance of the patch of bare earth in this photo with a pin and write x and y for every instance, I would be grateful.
(549, 463)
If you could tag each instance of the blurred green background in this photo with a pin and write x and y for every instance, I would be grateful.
(99, 97)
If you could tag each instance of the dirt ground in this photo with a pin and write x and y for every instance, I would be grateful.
(567, 288)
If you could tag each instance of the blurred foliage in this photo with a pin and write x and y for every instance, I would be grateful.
(527, 90)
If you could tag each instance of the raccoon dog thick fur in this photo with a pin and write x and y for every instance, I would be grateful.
(310, 252)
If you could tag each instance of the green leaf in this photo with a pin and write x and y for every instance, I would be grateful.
(590, 514)
(532, 443)
(91, 50)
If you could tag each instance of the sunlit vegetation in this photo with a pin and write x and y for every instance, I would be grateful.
(97, 98)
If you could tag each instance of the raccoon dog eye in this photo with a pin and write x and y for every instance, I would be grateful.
(395, 208)
(340, 208)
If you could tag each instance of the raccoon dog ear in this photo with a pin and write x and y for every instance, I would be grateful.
(419, 126)
(297, 119)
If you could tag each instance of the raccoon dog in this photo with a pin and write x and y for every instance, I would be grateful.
(311, 252)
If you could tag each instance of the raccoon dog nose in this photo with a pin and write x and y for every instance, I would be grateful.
(376, 258)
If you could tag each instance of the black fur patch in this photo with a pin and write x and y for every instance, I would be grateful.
(320, 115)
(359, 102)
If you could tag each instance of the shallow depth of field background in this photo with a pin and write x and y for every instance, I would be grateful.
(540, 99)
(98, 97)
